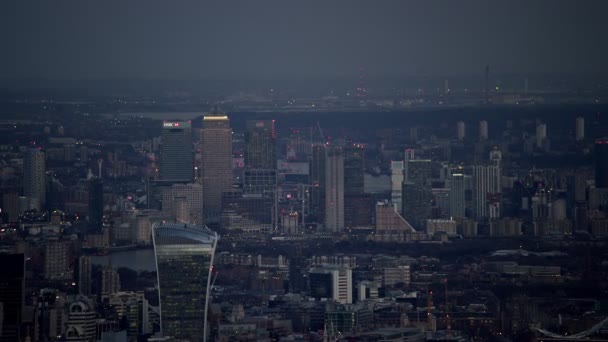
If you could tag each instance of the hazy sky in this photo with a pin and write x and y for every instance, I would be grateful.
(165, 39)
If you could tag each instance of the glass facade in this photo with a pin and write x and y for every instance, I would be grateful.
(184, 260)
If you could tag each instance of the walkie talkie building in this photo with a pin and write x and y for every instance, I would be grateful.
(184, 259)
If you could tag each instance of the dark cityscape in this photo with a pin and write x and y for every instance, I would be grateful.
(268, 170)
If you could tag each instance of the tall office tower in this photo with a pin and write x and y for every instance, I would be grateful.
(12, 296)
(580, 128)
(354, 169)
(460, 130)
(34, 180)
(396, 183)
(600, 156)
(420, 171)
(184, 262)
(355, 201)
(486, 192)
(417, 203)
(260, 145)
(216, 162)
(457, 195)
(332, 282)
(577, 189)
(317, 181)
(110, 280)
(409, 155)
(414, 135)
(334, 190)
(483, 130)
(180, 197)
(541, 134)
(176, 154)
(84, 275)
(260, 175)
(95, 217)
(56, 261)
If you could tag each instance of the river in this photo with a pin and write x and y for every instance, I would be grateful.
(138, 259)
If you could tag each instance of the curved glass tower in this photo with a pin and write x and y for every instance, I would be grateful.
(184, 258)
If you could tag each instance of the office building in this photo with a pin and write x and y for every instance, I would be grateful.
(390, 226)
(317, 182)
(260, 176)
(334, 190)
(82, 320)
(84, 275)
(34, 179)
(460, 130)
(216, 161)
(580, 129)
(332, 282)
(176, 155)
(541, 135)
(440, 226)
(394, 275)
(354, 168)
(486, 192)
(184, 201)
(457, 194)
(600, 156)
(483, 130)
(417, 203)
(409, 155)
(12, 296)
(95, 217)
(143, 228)
(110, 281)
(396, 183)
(260, 145)
(184, 261)
(419, 171)
(56, 261)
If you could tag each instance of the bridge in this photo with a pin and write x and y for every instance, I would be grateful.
(574, 337)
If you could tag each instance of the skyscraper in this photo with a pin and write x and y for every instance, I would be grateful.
(216, 161)
(12, 295)
(600, 154)
(483, 130)
(317, 181)
(184, 262)
(95, 217)
(354, 168)
(34, 180)
(541, 134)
(460, 130)
(355, 201)
(396, 183)
(457, 195)
(84, 275)
(486, 192)
(176, 156)
(334, 190)
(580, 128)
(260, 175)
(56, 261)
(260, 145)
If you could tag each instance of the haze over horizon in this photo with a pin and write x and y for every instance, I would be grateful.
(160, 40)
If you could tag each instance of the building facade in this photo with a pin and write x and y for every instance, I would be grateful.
(176, 156)
(216, 161)
(184, 261)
